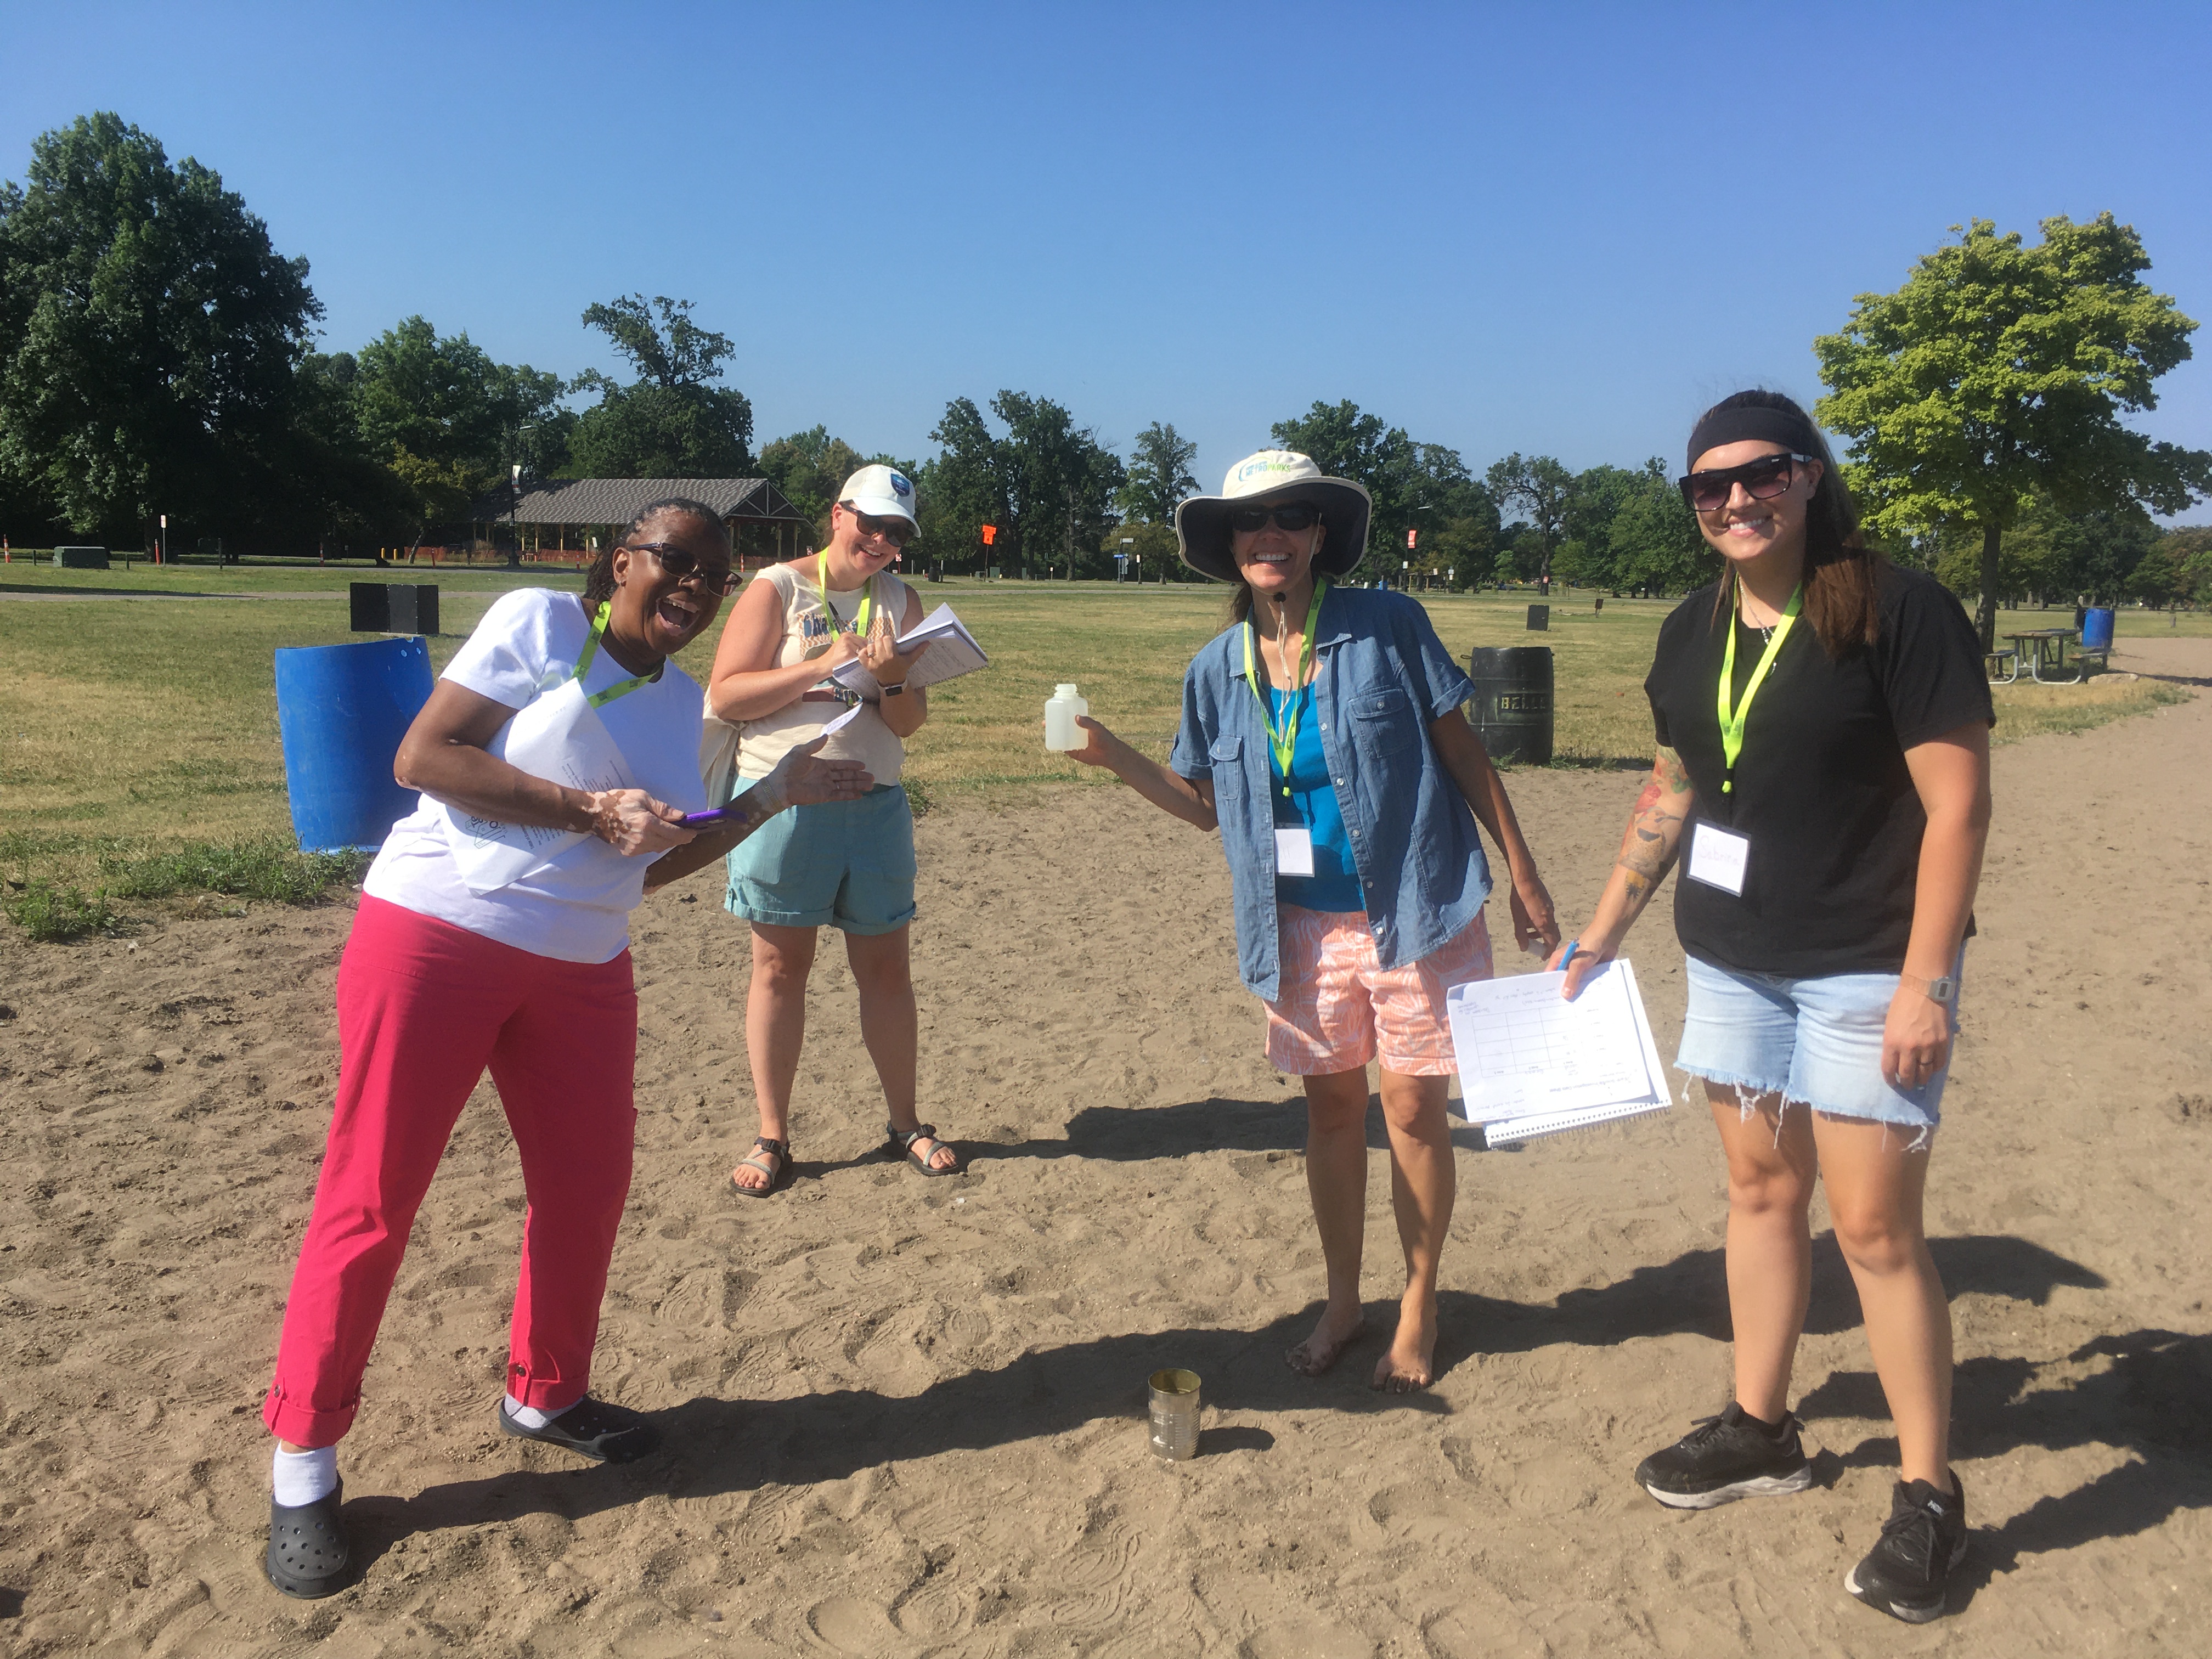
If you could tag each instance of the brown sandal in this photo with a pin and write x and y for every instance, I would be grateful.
(778, 1177)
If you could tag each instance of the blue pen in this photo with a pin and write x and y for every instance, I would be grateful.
(1567, 961)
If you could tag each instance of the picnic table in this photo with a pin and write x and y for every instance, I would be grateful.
(2043, 650)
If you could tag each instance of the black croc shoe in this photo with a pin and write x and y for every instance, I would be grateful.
(611, 1434)
(307, 1554)
(1908, 1573)
(1725, 1458)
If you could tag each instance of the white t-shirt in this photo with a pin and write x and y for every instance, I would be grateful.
(577, 908)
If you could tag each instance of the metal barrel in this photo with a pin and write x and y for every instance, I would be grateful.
(1513, 700)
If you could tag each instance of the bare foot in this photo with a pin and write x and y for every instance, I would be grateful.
(1410, 1365)
(1327, 1345)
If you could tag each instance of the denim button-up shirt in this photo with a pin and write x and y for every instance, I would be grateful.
(1381, 676)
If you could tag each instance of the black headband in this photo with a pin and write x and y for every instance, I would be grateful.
(1752, 421)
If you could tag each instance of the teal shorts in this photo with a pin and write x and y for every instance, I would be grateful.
(848, 864)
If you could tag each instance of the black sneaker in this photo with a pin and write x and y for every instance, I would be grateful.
(1725, 1458)
(1921, 1544)
(612, 1434)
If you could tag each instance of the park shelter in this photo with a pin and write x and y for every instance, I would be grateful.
(570, 519)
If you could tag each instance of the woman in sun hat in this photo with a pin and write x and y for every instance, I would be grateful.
(1824, 721)
(1322, 733)
(452, 968)
(850, 865)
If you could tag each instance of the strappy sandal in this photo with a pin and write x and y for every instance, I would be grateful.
(778, 1178)
(901, 1145)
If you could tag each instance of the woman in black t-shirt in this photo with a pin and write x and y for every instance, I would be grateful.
(1823, 722)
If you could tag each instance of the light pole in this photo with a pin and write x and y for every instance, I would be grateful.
(1122, 574)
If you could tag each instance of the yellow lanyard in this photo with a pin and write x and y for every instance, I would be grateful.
(828, 611)
(1732, 722)
(1284, 738)
(601, 699)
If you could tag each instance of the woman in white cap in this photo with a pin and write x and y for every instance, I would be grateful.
(851, 866)
(1322, 733)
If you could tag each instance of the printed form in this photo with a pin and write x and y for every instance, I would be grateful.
(1531, 1063)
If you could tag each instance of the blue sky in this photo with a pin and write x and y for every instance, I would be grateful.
(1559, 228)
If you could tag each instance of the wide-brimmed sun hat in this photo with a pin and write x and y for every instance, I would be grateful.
(1273, 475)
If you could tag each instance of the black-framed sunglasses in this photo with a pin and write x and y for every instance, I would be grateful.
(680, 562)
(1288, 515)
(897, 532)
(1762, 480)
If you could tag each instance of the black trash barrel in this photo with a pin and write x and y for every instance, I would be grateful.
(1513, 700)
(394, 607)
(1539, 618)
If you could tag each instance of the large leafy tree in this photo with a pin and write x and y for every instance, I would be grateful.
(1535, 491)
(1653, 538)
(673, 421)
(1345, 442)
(150, 336)
(1048, 485)
(2000, 370)
(810, 468)
(1159, 475)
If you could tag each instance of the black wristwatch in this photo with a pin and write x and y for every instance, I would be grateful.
(896, 688)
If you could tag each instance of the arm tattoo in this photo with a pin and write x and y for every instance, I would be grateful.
(1647, 851)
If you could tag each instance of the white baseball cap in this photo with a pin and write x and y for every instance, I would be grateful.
(880, 492)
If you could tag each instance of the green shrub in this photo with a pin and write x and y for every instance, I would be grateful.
(51, 915)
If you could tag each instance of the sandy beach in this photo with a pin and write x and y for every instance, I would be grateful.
(905, 1417)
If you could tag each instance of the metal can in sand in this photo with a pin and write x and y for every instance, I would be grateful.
(1174, 1415)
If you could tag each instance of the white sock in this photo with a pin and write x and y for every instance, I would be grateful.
(304, 1477)
(528, 1417)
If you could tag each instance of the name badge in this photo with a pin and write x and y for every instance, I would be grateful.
(1718, 858)
(1294, 851)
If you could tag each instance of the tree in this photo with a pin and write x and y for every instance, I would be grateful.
(810, 468)
(1654, 538)
(1594, 499)
(1535, 490)
(1159, 475)
(149, 335)
(1999, 369)
(672, 421)
(1345, 441)
(1048, 485)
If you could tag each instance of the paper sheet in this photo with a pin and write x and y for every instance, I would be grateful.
(559, 737)
(952, 651)
(1531, 1063)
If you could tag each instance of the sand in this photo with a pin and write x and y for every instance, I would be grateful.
(904, 1418)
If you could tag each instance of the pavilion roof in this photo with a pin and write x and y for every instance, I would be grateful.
(617, 500)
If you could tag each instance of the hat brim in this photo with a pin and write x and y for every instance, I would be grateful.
(881, 506)
(1201, 525)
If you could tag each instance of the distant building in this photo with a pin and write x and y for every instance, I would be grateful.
(571, 519)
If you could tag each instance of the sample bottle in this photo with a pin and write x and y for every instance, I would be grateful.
(1061, 731)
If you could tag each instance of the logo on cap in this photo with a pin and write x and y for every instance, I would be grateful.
(899, 486)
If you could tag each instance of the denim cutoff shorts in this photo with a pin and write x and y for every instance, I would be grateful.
(846, 862)
(1816, 1043)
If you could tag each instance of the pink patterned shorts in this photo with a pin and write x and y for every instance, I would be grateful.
(1340, 1009)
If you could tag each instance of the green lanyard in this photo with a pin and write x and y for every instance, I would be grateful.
(1732, 722)
(828, 611)
(1284, 738)
(601, 699)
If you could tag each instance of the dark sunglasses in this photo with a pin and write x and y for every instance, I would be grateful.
(1762, 480)
(897, 532)
(679, 562)
(1287, 515)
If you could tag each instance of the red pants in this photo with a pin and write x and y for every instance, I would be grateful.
(424, 1008)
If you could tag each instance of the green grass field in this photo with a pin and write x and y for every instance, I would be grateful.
(132, 728)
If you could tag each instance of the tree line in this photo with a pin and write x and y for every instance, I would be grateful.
(158, 356)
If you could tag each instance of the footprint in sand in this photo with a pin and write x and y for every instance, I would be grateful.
(852, 1626)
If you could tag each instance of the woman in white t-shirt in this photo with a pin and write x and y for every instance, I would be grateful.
(446, 972)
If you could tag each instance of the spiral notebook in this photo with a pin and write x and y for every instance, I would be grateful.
(1531, 1063)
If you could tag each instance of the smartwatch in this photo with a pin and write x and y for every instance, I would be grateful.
(898, 689)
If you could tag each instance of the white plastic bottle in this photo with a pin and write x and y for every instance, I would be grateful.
(1061, 731)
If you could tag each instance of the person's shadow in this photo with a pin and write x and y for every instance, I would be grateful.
(712, 1446)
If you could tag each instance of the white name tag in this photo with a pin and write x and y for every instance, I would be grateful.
(1718, 858)
(1294, 851)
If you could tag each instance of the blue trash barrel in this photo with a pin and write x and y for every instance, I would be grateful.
(2097, 629)
(343, 710)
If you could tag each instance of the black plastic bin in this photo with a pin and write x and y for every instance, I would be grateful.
(394, 608)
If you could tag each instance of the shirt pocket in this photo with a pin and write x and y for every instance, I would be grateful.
(1384, 721)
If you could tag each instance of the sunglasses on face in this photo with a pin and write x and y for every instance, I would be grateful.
(897, 532)
(714, 576)
(1762, 480)
(1287, 515)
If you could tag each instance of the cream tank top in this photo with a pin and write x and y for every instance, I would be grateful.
(763, 742)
